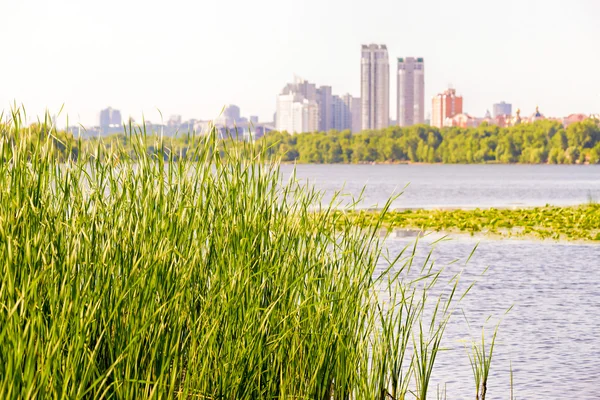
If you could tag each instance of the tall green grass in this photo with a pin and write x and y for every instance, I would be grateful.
(133, 276)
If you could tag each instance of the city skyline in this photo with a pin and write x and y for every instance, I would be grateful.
(303, 107)
(520, 56)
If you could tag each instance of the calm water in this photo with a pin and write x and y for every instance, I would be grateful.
(465, 186)
(552, 334)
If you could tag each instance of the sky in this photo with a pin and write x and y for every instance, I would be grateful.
(159, 58)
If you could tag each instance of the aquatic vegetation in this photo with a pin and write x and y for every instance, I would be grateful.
(557, 223)
(130, 275)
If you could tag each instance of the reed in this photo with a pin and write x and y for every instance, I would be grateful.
(126, 274)
(480, 358)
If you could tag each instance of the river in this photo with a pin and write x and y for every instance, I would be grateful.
(551, 336)
(461, 186)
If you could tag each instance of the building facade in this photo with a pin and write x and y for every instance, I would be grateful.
(295, 113)
(411, 91)
(326, 108)
(445, 105)
(355, 105)
(501, 108)
(304, 107)
(110, 121)
(375, 87)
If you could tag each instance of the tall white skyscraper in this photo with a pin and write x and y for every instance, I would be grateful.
(411, 91)
(375, 86)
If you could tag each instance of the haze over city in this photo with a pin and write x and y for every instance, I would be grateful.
(193, 58)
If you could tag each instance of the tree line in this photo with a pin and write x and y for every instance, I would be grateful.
(536, 143)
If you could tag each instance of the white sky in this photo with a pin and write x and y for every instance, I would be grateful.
(193, 57)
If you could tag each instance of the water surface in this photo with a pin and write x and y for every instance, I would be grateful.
(552, 333)
(464, 186)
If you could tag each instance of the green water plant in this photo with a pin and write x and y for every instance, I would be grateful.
(480, 359)
(577, 223)
(129, 274)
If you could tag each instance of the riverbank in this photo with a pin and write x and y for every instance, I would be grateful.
(578, 223)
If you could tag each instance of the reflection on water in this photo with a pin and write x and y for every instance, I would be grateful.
(551, 335)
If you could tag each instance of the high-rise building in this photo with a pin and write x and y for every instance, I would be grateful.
(284, 115)
(306, 117)
(342, 115)
(375, 87)
(306, 89)
(110, 120)
(295, 113)
(411, 91)
(445, 105)
(346, 113)
(502, 108)
(356, 110)
(317, 104)
(325, 101)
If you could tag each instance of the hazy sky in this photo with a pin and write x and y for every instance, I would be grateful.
(193, 57)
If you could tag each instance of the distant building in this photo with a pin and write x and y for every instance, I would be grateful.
(110, 121)
(296, 114)
(462, 121)
(301, 103)
(297, 108)
(356, 110)
(346, 114)
(325, 102)
(411, 91)
(536, 116)
(230, 116)
(342, 112)
(243, 131)
(306, 89)
(174, 121)
(573, 118)
(502, 108)
(445, 105)
(375, 86)
(254, 119)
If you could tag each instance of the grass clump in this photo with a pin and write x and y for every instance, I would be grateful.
(128, 275)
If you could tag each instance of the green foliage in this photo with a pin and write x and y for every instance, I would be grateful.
(127, 274)
(540, 142)
(480, 358)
